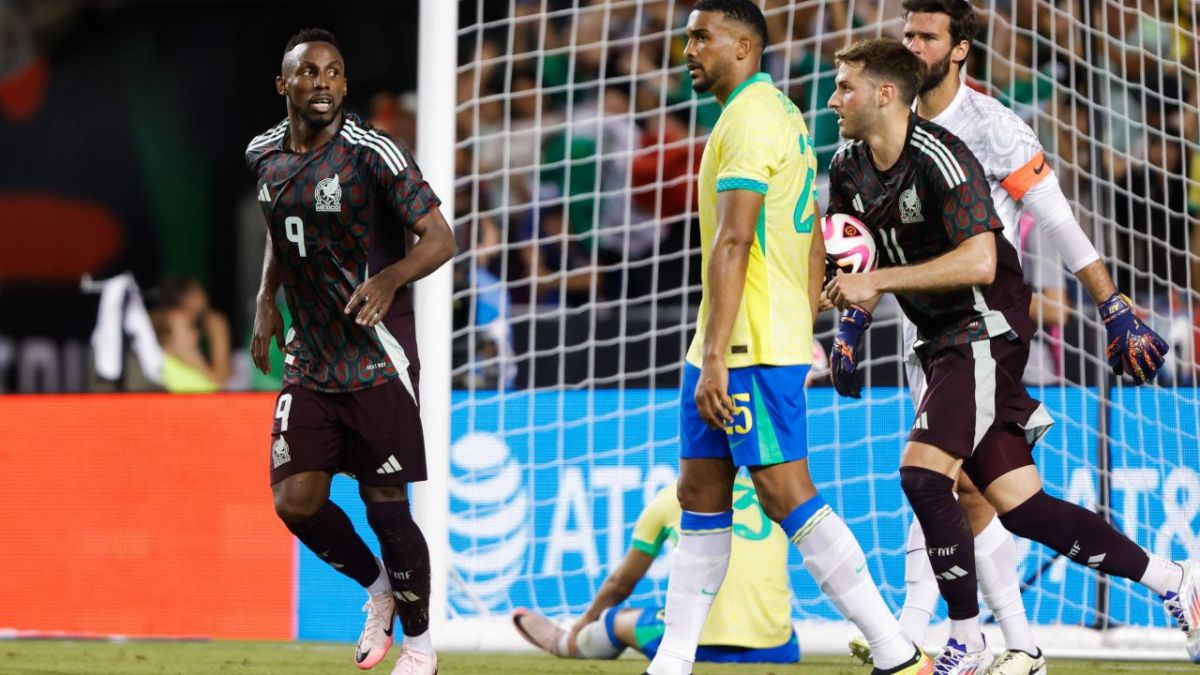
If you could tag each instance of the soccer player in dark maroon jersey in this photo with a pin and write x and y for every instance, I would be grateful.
(928, 203)
(341, 202)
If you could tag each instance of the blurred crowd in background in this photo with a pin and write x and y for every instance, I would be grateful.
(578, 140)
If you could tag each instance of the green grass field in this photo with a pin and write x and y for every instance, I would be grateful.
(43, 657)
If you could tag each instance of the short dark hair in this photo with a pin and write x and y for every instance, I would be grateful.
(743, 11)
(962, 16)
(888, 60)
(311, 35)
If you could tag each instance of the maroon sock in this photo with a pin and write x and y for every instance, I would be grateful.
(1079, 534)
(948, 540)
(406, 557)
(331, 536)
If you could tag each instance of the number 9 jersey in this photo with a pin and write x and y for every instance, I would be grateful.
(761, 143)
(337, 215)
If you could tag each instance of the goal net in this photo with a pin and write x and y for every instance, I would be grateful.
(578, 280)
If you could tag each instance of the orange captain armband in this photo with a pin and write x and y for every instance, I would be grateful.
(1020, 181)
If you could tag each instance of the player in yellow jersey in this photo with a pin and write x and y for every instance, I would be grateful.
(742, 401)
(751, 619)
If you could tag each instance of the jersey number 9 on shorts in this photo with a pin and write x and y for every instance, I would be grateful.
(742, 411)
(282, 410)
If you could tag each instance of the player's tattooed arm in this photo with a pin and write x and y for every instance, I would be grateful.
(435, 246)
(268, 323)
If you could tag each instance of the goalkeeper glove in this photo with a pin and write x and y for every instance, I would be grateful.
(843, 361)
(1133, 348)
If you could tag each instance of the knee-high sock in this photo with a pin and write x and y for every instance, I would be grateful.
(836, 562)
(1088, 539)
(407, 559)
(330, 535)
(920, 588)
(996, 562)
(697, 569)
(949, 545)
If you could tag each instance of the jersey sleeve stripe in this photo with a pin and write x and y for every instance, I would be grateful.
(931, 142)
(953, 178)
(936, 160)
(738, 183)
(375, 142)
(384, 146)
(379, 141)
(345, 133)
(273, 134)
(1020, 181)
(646, 547)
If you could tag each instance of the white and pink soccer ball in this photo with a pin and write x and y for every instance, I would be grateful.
(849, 243)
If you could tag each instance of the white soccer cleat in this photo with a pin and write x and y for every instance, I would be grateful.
(376, 637)
(861, 650)
(1017, 662)
(412, 662)
(1185, 606)
(538, 630)
(956, 660)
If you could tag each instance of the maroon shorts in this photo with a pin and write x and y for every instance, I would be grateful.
(374, 434)
(975, 407)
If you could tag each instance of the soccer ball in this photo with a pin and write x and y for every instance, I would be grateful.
(849, 243)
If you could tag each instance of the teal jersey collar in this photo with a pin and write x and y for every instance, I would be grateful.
(757, 77)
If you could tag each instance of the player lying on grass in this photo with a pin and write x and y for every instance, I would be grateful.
(751, 617)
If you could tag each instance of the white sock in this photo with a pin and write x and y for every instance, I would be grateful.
(593, 642)
(697, 570)
(1162, 575)
(966, 632)
(996, 565)
(920, 587)
(419, 643)
(836, 562)
(381, 585)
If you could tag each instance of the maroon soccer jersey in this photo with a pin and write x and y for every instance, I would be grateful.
(336, 215)
(934, 198)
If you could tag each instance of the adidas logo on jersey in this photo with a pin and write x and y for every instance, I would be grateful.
(390, 466)
(858, 204)
(264, 195)
(329, 195)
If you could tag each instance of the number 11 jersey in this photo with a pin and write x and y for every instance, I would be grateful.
(932, 199)
(337, 215)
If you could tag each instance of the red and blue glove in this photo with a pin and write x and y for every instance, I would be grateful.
(847, 346)
(1133, 348)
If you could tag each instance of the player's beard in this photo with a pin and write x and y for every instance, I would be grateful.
(937, 72)
(849, 128)
(316, 120)
(708, 78)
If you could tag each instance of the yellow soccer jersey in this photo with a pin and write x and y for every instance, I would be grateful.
(753, 608)
(761, 143)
